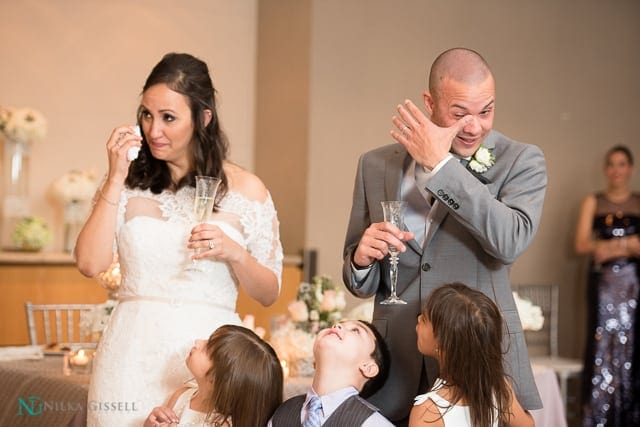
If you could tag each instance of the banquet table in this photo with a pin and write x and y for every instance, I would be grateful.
(37, 393)
(30, 385)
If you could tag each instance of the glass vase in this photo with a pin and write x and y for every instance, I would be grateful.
(15, 197)
(74, 216)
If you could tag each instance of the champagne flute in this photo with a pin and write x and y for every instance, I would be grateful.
(205, 197)
(393, 213)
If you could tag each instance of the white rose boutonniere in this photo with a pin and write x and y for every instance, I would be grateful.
(482, 160)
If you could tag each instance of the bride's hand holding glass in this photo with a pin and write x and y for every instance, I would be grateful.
(212, 243)
(203, 202)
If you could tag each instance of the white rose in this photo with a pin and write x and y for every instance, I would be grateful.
(477, 167)
(483, 156)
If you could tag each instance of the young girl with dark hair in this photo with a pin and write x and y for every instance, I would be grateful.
(462, 329)
(239, 383)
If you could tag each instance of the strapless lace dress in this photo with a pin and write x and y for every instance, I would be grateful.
(163, 308)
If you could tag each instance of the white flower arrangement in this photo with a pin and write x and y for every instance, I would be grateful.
(23, 125)
(482, 160)
(75, 186)
(93, 323)
(31, 233)
(318, 305)
(291, 343)
(530, 315)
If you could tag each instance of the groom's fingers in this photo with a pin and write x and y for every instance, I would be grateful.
(416, 114)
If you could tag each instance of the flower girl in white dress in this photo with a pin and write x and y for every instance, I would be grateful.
(462, 329)
(239, 383)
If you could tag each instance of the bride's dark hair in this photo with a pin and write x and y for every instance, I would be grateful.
(189, 76)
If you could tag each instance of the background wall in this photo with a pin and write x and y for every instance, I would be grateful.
(566, 80)
(82, 64)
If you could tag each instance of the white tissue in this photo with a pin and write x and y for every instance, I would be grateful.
(132, 152)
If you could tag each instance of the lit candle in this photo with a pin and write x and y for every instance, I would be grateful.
(80, 359)
(285, 369)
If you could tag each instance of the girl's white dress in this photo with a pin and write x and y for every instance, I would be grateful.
(187, 416)
(452, 415)
(162, 307)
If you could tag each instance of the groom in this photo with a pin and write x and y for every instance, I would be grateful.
(474, 201)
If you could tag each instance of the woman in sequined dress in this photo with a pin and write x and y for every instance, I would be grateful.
(608, 228)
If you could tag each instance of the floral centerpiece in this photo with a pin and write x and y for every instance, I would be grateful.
(19, 127)
(74, 190)
(318, 305)
(23, 125)
(530, 315)
(75, 186)
(31, 233)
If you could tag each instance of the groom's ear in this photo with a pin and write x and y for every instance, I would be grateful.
(427, 99)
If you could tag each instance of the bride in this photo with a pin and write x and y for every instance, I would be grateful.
(144, 211)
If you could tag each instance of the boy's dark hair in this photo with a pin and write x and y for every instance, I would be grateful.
(381, 357)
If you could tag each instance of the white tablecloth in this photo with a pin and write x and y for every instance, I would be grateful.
(552, 414)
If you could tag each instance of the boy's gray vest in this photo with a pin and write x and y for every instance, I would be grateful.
(352, 412)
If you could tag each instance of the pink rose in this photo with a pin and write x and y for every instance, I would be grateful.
(298, 311)
(328, 301)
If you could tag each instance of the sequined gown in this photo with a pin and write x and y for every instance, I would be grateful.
(611, 389)
(162, 308)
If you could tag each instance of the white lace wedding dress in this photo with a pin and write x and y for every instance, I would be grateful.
(140, 360)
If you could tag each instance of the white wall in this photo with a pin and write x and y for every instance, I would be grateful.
(83, 65)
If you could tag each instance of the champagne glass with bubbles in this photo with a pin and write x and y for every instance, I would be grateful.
(393, 213)
(205, 197)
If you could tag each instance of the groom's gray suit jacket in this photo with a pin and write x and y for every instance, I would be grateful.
(483, 224)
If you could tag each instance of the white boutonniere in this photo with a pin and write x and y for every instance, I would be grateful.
(482, 160)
